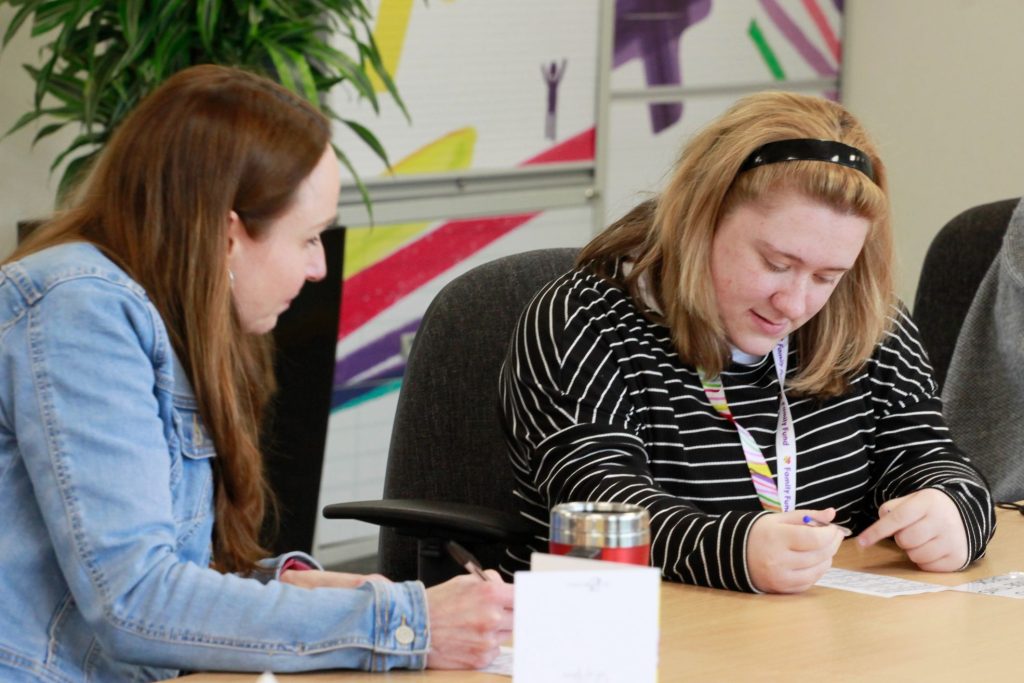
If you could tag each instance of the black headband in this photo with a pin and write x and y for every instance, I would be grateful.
(809, 150)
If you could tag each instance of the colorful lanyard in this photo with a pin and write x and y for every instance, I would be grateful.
(785, 440)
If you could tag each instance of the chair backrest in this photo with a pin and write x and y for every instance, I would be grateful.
(447, 443)
(954, 266)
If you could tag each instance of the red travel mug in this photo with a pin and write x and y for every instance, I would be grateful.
(616, 532)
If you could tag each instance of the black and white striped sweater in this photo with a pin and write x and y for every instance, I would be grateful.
(598, 406)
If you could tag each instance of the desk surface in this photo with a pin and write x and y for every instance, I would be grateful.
(823, 634)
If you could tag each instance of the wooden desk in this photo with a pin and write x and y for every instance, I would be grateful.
(820, 635)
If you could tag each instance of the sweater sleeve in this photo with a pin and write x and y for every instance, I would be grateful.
(913, 449)
(573, 412)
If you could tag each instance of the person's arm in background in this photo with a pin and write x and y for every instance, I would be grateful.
(101, 465)
(929, 498)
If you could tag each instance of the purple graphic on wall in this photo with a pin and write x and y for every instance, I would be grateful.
(650, 30)
(552, 74)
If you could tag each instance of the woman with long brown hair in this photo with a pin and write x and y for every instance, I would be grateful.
(134, 374)
(730, 355)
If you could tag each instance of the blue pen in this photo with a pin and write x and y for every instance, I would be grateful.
(810, 521)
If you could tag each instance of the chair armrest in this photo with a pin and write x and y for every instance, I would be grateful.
(433, 519)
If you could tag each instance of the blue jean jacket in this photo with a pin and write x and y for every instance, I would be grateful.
(106, 503)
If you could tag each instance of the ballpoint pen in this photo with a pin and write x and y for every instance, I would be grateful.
(465, 559)
(810, 521)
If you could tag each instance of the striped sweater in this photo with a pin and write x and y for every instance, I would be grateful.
(598, 406)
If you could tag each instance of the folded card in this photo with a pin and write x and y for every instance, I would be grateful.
(583, 620)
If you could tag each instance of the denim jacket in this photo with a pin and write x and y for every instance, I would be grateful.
(106, 503)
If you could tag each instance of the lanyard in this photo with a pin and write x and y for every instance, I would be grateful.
(771, 497)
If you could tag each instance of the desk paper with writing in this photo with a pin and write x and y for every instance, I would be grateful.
(594, 625)
(502, 664)
(1005, 586)
(878, 585)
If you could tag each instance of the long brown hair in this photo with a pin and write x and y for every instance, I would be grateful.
(669, 238)
(210, 140)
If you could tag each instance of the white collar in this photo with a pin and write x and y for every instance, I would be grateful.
(744, 358)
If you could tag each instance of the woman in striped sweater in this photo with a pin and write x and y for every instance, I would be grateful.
(731, 356)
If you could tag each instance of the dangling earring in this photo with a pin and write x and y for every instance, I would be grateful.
(231, 278)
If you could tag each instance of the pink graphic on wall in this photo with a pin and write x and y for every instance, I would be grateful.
(369, 292)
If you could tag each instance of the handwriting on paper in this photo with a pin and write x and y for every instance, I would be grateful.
(878, 585)
(1004, 586)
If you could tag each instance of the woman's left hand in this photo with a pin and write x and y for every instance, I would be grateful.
(926, 525)
(313, 578)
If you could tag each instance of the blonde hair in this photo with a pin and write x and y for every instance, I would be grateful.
(669, 238)
(210, 140)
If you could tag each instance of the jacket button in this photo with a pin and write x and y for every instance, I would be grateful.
(404, 634)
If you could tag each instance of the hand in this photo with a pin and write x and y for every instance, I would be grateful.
(785, 555)
(926, 524)
(469, 619)
(312, 578)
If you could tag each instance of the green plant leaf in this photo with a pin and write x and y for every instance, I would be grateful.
(19, 18)
(170, 51)
(373, 55)
(143, 39)
(207, 12)
(346, 69)
(97, 86)
(66, 88)
(48, 129)
(306, 78)
(343, 158)
(282, 8)
(49, 15)
(369, 138)
(79, 142)
(72, 173)
(129, 13)
(281, 66)
(25, 119)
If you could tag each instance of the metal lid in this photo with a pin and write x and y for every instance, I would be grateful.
(600, 525)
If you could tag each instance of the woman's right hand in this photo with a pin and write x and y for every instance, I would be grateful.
(469, 620)
(785, 555)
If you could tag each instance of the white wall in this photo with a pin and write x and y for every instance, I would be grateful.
(26, 188)
(938, 83)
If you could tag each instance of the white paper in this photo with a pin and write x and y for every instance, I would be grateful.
(875, 584)
(597, 625)
(502, 664)
(1004, 586)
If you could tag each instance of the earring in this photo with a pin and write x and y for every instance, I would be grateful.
(231, 277)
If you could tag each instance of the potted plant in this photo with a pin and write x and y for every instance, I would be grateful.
(106, 55)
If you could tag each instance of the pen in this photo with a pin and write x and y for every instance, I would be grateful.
(465, 559)
(810, 521)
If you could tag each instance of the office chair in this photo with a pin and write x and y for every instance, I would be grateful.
(956, 262)
(448, 476)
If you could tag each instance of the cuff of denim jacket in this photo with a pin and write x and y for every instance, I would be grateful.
(270, 568)
(402, 628)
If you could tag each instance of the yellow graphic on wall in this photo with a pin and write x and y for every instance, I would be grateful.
(366, 246)
(389, 34)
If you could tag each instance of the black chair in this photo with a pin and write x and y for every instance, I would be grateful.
(956, 262)
(448, 476)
